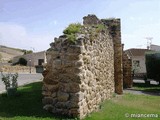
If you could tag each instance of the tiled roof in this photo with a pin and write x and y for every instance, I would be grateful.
(136, 52)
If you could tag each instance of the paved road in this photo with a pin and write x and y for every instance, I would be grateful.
(23, 79)
(141, 92)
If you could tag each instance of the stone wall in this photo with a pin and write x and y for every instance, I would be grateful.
(80, 75)
(17, 69)
(115, 31)
(127, 71)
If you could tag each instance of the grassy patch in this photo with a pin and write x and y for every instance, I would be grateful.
(118, 107)
(146, 87)
(27, 105)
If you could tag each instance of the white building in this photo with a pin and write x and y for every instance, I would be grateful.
(33, 59)
(138, 59)
(154, 47)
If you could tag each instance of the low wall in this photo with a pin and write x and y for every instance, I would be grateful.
(17, 69)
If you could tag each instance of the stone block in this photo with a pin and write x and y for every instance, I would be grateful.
(62, 96)
(71, 104)
(47, 100)
(75, 49)
(48, 107)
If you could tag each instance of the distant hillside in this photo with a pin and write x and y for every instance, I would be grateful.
(7, 53)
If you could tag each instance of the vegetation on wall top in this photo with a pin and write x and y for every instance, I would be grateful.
(71, 30)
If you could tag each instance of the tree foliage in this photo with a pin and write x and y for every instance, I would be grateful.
(21, 61)
(153, 65)
(27, 51)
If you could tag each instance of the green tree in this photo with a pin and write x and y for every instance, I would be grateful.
(22, 61)
(153, 65)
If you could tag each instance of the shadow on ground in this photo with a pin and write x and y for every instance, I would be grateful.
(148, 89)
(27, 103)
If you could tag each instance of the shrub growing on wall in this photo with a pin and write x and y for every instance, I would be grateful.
(71, 30)
(153, 65)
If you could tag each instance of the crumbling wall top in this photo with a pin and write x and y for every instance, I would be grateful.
(91, 20)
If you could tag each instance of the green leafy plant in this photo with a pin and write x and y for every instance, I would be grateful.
(71, 37)
(71, 30)
(27, 51)
(10, 80)
(153, 65)
(100, 27)
(21, 61)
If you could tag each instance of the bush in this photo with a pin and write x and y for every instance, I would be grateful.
(153, 65)
(71, 30)
(100, 27)
(27, 51)
(10, 80)
(71, 37)
(22, 61)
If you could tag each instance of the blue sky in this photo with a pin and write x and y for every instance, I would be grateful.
(33, 24)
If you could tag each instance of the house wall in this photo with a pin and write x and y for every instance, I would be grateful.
(142, 68)
(33, 57)
(155, 47)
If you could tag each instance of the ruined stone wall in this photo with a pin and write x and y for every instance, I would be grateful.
(127, 71)
(80, 75)
(114, 27)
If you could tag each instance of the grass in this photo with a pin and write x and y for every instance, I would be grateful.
(146, 87)
(118, 107)
(28, 106)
